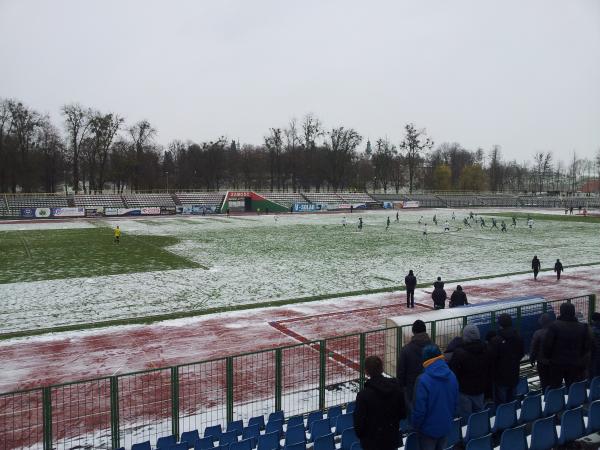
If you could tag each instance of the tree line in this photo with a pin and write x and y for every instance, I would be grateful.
(97, 151)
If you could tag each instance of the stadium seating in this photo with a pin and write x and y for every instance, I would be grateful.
(325, 442)
(478, 425)
(14, 202)
(554, 401)
(295, 421)
(324, 197)
(594, 391)
(213, 199)
(358, 197)
(166, 442)
(506, 417)
(514, 438)
(214, 432)
(319, 428)
(268, 441)
(204, 443)
(543, 434)
(295, 435)
(237, 426)
(286, 199)
(190, 437)
(571, 426)
(577, 395)
(143, 200)
(344, 421)
(348, 438)
(104, 200)
(531, 409)
(332, 414)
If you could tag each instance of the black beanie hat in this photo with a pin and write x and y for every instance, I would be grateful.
(418, 327)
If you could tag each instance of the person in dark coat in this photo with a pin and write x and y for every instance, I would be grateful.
(438, 283)
(507, 351)
(458, 297)
(558, 268)
(439, 297)
(536, 265)
(379, 408)
(535, 352)
(410, 362)
(595, 357)
(411, 283)
(471, 363)
(567, 346)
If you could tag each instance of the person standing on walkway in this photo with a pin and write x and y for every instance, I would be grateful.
(535, 352)
(436, 401)
(380, 406)
(558, 268)
(507, 351)
(458, 298)
(411, 283)
(410, 362)
(536, 264)
(439, 297)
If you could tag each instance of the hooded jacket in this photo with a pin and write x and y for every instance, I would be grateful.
(567, 341)
(436, 399)
(379, 408)
(410, 281)
(458, 298)
(471, 363)
(410, 364)
(507, 350)
(439, 297)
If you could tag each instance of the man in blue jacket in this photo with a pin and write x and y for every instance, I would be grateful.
(435, 401)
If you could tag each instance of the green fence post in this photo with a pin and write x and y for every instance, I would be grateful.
(47, 417)
(362, 339)
(519, 315)
(493, 319)
(591, 306)
(229, 380)
(175, 401)
(322, 362)
(544, 307)
(278, 379)
(398, 348)
(433, 331)
(115, 432)
(464, 321)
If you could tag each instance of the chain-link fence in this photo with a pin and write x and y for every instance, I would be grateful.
(116, 411)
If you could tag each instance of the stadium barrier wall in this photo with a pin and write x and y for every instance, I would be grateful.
(120, 410)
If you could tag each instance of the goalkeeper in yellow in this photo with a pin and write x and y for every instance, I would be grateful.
(117, 234)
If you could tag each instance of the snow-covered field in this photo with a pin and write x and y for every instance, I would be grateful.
(260, 258)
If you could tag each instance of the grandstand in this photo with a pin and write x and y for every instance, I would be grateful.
(356, 197)
(212, 199)
(323, 197)
(148, 200)
(14, 202)
(286, 199)
(99, 200)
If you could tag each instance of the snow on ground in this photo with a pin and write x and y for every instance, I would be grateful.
(257, 258)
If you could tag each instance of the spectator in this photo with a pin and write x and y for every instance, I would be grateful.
(379, 408)
(507, 350)
(567, 347)
(411, 283)
(452, 346)
(438, 284)
(436, 400)
(439, 297)
(471, 363)
(558, 268)
(410, 363)
(536, 264)
(595, 360)
(458, 298)
(535, 353)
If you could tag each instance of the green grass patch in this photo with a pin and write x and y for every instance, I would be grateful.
(35, 255)
(556, 217)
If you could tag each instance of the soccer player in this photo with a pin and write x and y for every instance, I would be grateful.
(466, 222)
(420, 220)
(482, 222)
(514, 221)
(494, 224)
(344, 221)
(397, 217)
(453, 216)
(360, 224)
(446, 226)
(503, 226)
(435, 219)
(425, 231)
(471, 215)
(117, 234)
(536, 264)
(530, 223)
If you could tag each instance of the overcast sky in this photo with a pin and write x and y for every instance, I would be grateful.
(523, 74)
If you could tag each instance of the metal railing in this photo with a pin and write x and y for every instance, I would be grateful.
(120, 410)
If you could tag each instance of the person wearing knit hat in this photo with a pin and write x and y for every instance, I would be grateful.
(535, 352)
(567, 346)
(458, 297)
(507, 349)
(410, 364)
(436, 400)
(472, 365)
(595, 357)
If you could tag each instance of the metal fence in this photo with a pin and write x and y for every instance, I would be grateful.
(117, 411)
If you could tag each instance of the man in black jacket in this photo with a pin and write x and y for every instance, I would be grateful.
(439, 297)
(535, 265)
(410, 363)
(379, 408)
(471, 363)
(558, 268)
(567, 346)
(411, 283)
(438, 283)
(458, 297)
(507, 351)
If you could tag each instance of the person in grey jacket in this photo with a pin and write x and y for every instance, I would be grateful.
(535, 352)
(410, 363)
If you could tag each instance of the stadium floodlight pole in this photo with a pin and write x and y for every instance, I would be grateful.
(167, 172)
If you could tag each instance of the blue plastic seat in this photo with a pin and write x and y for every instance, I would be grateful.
(165, 441)
(333, 413)
(236, 425)
(213, 431)
(295, 421)
(268, 441)
(594, 389)
(295, 435)
(244, 444)
(531, 408)
(478, 425)
(348, 438)
(228, 437)
(480, 443)
(506, 416)
(251, 432)
(180, 446)
(275, 426)
(577, 395)
(319, 428)
(344, 421)
(571, 426)
(522, 387)
(593, 419)
(313, 417)
(514, 438)
(554, 401)
(298, 446)
(543, 434)
(142, 446)
(205, 443)
(190, 437)
(350, 407)
(258, 420)
(454, 437)
(412, 442)
(356, 446)
(276, 415)
(325, 442)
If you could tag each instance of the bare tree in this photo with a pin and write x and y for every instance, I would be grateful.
(25, 122)
(141, 134)
(5, 130)
(77, 124)
(383, 159)
(542, 167)
(415, 144)
(274, 144)
(103, 129)
(341, 150)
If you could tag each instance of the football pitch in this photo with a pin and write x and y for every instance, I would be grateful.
(69, 273)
